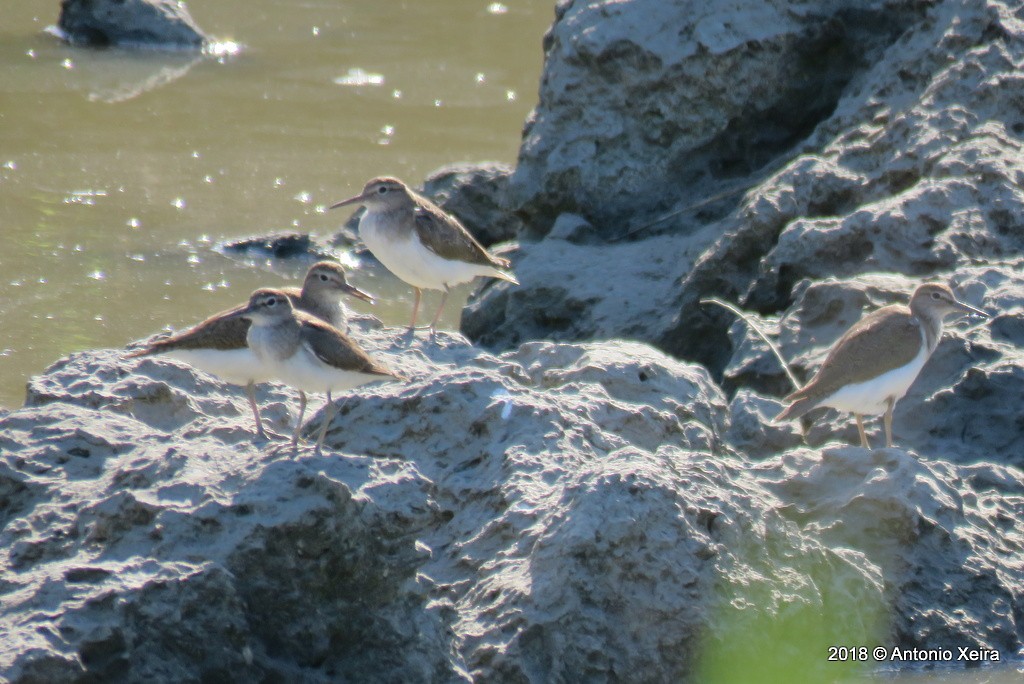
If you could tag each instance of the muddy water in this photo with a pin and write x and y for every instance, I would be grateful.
(121, 172)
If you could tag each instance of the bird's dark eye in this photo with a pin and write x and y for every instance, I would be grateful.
(936, 295)
(271, 302)
(382, 189)
(323, 277)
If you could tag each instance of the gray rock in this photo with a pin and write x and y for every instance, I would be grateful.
(777, 142)
(913, 173)
(573, 228)
(652, 104)
(928, 524)
(570, 291)
(130, 23)
(751, 430)
(276, 246)
(555, 512)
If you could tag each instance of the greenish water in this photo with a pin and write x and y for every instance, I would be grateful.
(120, 171)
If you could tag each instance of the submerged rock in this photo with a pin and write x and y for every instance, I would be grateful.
(277, 246)
(130, 23)
(554, 512)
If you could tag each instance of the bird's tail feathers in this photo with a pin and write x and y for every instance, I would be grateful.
(144, 351)
(798, 408)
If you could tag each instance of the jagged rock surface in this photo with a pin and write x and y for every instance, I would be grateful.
(907, 163)
(559, 511)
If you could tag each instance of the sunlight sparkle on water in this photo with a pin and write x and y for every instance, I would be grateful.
(222, 49)
(359, 77)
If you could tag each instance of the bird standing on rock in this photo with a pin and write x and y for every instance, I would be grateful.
(420, 243)
(873, 365)
(306, 353)
(218, 344)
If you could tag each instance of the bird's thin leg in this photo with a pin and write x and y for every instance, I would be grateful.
(437, 316)
(415, 308)
(250, 391)
(298, 424)
(860, 428)
(329, 411)
(890, 403)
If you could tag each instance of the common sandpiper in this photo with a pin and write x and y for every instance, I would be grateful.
(420, 243)
(306, 353)
(218, 344)
(874, 363)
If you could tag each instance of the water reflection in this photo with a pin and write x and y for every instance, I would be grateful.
(121, 172)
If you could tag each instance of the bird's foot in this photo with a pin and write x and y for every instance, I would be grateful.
(264, 436)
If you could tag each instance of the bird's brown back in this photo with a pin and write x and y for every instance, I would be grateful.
(335, 348)
(881, 341)
(220, 332)
(445, 236)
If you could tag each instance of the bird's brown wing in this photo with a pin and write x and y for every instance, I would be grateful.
(337, 349)
(881, 341)
(219, 331)
(443, 235)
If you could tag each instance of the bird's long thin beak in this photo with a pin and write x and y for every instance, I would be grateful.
(358, 199)
(968, 309)
(357, 293)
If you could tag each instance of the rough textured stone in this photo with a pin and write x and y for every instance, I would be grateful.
(130, 23)
(652, 104)
(651, 110)
(572, 291)
(554, 512)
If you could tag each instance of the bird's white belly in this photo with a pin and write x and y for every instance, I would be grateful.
(411, 261)
(304, 371)
(870, 397)
(237, 366)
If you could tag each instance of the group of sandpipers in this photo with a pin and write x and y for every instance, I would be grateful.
(299, 337)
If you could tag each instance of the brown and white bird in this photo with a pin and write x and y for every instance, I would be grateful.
(306, 353)
(874, 363)
(218, 344)
(421, 243)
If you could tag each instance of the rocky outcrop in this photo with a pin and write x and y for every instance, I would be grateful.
(554, 512)
(755, 146)
(595, 510)
(130, 23)
(650, 105)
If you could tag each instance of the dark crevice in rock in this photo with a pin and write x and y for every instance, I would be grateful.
(846, 46)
